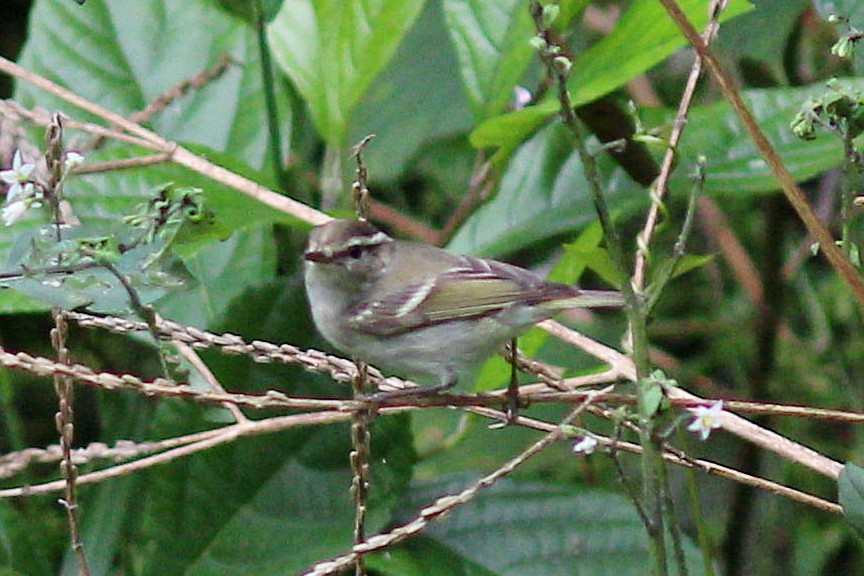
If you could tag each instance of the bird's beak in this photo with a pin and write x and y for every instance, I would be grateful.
(316, 256)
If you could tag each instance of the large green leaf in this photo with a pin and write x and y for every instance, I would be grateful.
(643, 37)
(734, 165)
(389, 108)
(491, 39)
(224, 267)
(542, 194)
(532, 528)
(744, 38)
(333, 50)
(122, 56)
(222, 272)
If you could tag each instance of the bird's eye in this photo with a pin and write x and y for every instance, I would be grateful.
(355, 252)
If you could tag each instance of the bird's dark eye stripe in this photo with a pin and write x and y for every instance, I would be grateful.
(354, 252)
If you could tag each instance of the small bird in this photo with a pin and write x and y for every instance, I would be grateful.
(420, 310)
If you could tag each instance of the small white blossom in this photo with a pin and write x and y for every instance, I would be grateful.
(585, 446)
(73, 160)
(20, 192)
(521, 97)
(705, 419)
(18, 177)
(20, 171)
(14, 211)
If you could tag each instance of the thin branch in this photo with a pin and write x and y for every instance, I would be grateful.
(123, 164)
(178, 154)
(731, 422)
(192, 357)
(661, 185)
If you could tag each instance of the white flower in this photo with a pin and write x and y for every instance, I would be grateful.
(585, 446)
(73, 160)
(706, 418)
(521, 97)
(20, 192)
(20, 171)
(14, 211)
(18, 177)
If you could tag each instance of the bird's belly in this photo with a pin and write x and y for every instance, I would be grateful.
(441, 350)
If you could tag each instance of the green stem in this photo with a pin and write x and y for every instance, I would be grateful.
(702, 533)
(14, 425)
(851, 184)
(674, 528)
(274, 140)
(558, 66)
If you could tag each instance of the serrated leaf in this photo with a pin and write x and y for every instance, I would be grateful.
(850, 491)
(334, 49)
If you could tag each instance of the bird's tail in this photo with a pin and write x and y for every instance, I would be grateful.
(592, 299)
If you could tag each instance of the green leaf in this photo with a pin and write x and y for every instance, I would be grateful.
(28, 540)
(509, 130)
(542, 194)
(543, 529)
(123, 57)
(389, 108)
(270, 505)
(236, 509)
(491, 39)
(222, 268)
(644, 36)
(334, 49)
(223, 271)
(850, 491)
(421, 556)
(691, 262)
(133, 61)
(734, 165)
(745, 37)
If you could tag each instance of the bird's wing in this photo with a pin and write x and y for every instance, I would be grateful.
(472, 288)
